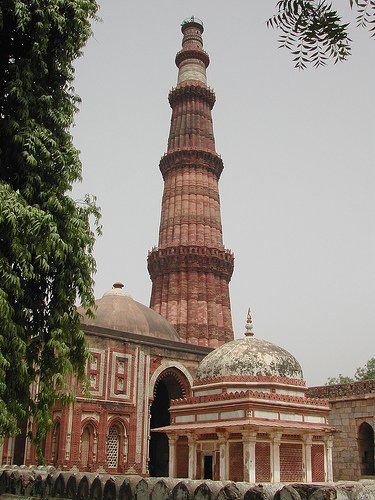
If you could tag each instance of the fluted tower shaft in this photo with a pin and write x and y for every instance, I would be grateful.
(190, 269)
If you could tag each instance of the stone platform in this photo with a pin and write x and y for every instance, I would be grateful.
(49, 483)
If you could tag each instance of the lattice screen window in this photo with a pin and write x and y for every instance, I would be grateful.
(113, 447)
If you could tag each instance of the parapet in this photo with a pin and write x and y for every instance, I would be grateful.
(338, 391)
(47, 482)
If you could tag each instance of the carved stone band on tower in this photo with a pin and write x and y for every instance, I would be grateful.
(190, 269)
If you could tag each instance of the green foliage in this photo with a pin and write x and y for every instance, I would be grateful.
(340, 379)
(314, 32)
(46, 240)
(366, 372)
(365, 14)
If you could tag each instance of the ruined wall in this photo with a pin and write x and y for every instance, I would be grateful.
(47, 483)
(351, 405)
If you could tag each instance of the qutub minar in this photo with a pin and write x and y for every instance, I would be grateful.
(172, 392)
(190, 269)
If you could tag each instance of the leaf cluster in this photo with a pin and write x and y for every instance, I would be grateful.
(314, 32)
(365, 14)
(46, 237)
(366, 372)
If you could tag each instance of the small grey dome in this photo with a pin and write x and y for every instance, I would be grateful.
(117, 310)
(249, 357)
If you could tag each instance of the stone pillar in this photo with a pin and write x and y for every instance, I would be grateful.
(307, 458)
(249, 440)
(172, 441)
(192, 442)
(328, 457)
(223, 448)
(276, 441)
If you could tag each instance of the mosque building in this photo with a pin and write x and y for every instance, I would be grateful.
(172, 392)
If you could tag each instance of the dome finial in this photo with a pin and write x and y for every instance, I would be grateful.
(249, 324)
(118, 284)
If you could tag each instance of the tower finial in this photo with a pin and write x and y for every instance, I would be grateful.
(249, 324)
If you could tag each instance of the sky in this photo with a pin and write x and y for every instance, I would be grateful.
(297, 190)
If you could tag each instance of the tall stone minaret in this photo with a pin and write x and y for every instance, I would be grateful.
(190, 269)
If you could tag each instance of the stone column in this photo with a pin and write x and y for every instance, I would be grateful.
(192, 442)
(172, 441)
(249, 440)
(276, 441)
(328, 457)
(307, 458)
(223, 448)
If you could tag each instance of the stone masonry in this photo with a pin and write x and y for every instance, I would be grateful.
(351, 405)
(48, 483)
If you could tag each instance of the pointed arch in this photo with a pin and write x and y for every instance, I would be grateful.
(116, 445)
(55, 442)
(366, 449)
(181, 373)
(88, 444)
(169, 381)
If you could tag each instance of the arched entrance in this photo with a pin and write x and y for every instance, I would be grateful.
(366, 449)
(171, 384)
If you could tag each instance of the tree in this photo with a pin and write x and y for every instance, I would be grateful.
(314, 32)
(46, 240)
(366, 372)
(340, 379)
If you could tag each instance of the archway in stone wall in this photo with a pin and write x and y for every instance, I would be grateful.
(171, 384)
(19, 445)
(366, 449)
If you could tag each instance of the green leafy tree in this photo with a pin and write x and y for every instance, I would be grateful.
(367, 372)
(340, 379)
(314, 32)
(46, 237)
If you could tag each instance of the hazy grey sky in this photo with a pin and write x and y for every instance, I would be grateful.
(297, 191)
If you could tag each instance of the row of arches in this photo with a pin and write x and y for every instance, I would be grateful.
(173, 384)
(116, 445)
(168, 382)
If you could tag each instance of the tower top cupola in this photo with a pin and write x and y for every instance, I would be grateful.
(192, 60)
(192, 21)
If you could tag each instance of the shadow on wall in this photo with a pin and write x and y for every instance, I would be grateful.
(46, 482)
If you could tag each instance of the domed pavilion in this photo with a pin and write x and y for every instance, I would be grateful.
(248, 418)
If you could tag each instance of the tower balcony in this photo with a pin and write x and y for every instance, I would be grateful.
(191, 258)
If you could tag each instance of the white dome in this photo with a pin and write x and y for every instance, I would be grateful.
(249, 357)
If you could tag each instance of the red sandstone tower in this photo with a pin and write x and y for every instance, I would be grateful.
(190, 269)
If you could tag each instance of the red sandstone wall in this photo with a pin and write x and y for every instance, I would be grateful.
(182, 458)
(291, 462)
(317, 463)
(262, 462)
(235, 462)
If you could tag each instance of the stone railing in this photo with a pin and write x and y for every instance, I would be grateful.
(48, 483)
(342, 390)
